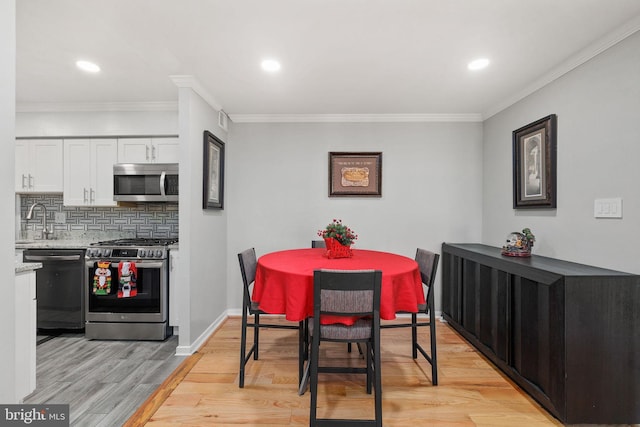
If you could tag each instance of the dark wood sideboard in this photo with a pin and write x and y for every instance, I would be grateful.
(568, 334)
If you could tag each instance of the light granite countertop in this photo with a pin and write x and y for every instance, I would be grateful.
(22, 267)
(73, 240)
(53, 244)
(67, 240)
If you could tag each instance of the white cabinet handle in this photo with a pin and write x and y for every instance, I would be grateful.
(23, 178)
(30, 181)
(84, 191)
(153, 152)
(147, 152)
(92, 198)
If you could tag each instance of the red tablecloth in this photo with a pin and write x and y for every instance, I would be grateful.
(284, 280)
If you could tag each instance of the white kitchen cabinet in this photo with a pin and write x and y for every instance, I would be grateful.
(88, 172)
(148, 150)
(38, 166)
(174, 295)
(25, 348)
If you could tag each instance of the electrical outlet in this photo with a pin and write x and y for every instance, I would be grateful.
(60, 217)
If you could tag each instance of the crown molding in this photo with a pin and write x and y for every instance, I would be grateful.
(191, 82)
(570, 64)
(59, 107)
(353, 118)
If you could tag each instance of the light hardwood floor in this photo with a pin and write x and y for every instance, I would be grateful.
(103, 382)
(471, 392)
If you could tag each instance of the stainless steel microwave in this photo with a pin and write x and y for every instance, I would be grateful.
(145, 182)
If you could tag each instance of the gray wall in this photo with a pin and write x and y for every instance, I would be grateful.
(277, 187)
(203, 233)
(598, 107)
(7, 166)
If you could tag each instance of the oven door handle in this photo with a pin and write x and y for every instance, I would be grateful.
(52, 257)
(142, 264)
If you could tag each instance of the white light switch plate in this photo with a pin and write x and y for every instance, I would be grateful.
(608, 208)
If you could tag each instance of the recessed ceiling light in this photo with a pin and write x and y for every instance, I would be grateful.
(478, 64)
(270, 65)
(88, 66)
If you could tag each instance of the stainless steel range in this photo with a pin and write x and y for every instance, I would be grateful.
(127, 289)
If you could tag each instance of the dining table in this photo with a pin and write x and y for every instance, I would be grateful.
(284, 284)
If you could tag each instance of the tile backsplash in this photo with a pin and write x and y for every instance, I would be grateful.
(157, 220)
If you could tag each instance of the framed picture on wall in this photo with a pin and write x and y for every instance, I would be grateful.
(355, 174)
(534, 164)
(213, 172)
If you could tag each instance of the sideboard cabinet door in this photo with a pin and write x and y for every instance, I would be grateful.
(566, 333)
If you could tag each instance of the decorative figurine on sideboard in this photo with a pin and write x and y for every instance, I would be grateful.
(519, 244)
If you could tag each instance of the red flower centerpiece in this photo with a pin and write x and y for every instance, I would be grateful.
(338, 239)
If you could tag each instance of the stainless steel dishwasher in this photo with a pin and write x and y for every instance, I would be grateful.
(59, 287)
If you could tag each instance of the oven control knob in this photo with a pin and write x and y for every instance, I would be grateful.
(158, 253)
(142, 253)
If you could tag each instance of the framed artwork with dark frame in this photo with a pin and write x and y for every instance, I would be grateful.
(355, 174)
(534, 164)
(213, 172)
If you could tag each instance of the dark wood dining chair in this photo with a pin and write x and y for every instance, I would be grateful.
(347, 293)
(248, 265)
(318, 244)
(322, 244)
(428, 264)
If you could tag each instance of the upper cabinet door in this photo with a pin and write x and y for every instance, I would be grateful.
(134, 150)
(165, 150)
(39, 166)
(77, 172)
(148, 150)
(22, 167)
(104, 154)
(88, 172)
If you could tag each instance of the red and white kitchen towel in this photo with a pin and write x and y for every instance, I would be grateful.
(127, 273)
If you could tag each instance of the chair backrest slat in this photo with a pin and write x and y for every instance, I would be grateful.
(428, 264)
(248, 264)
(347, 292)
(318, 244)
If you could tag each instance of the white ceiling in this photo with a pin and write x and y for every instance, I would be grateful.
(370, 57)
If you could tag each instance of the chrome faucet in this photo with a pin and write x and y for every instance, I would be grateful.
(45, 231)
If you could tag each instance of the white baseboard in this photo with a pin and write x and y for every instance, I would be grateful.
(188, 350)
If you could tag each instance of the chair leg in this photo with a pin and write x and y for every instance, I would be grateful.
(256, 336)
(377, 363)
(313, 380)
(414, 336)
(243, 348)
(302, 349)
(370, 368)
(432, 338)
